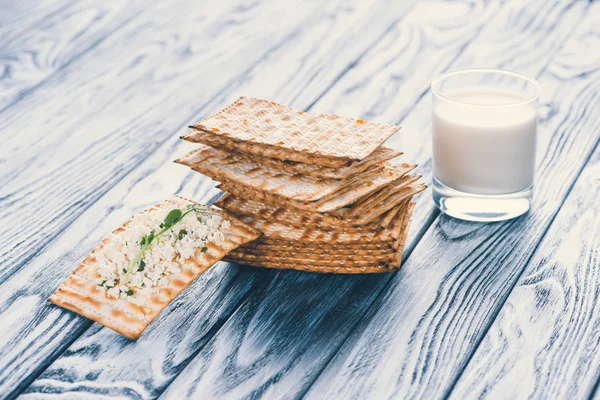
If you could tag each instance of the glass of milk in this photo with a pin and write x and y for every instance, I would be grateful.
(484, 138)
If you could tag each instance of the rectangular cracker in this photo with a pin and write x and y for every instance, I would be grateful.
(343, 197)
(380, 155)
(401, 223)
(325, 135)
(314, 257)
(371, 209)
(335, 217)
(79, 292)
(352, 253)
(263, 150)
(400, 244)
(389, 216)
(315, 260)
(400, 196)
(351, 265)
(321, 247)
(366, 203)
(221, 165)
(279, 231)
(285, 215)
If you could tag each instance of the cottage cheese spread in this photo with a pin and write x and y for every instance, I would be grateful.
(122, 276)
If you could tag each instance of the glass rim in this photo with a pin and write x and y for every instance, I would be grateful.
(449, 74)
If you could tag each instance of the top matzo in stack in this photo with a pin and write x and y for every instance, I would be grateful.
(269, 129)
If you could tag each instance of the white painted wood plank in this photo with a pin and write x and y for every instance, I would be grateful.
(545, 343)
(15, 16)
(116, 110)
(293, 329)
(25, 357)
(46, 43)
(138, 190)
(422, 330)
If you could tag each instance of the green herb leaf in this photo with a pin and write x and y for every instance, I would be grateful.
(142, 266)
(172, 217)
(182, 233)
(204, 249)
(143, 284)
(102, 284)
(162, 225)
(129, 292)
(124, 270)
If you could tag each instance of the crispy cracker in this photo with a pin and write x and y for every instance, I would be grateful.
(262, 150)
(354, 254)
(325, 135)
(301, 260)
(389, 216)
(322, 247)
(279, 231)
(396, 198)
(339, 199)
(221, 165)
(379, 156)
(285, 215)
(399, 245)
(372, 209)
(368, 202)
(334, 217)
(79, 293)
(249, 255)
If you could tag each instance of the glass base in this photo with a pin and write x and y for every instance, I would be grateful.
(479, 207)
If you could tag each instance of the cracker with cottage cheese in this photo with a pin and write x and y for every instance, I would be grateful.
(134, 273)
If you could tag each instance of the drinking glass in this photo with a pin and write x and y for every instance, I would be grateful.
(484, 139)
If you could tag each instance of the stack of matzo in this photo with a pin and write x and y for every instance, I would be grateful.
(321, 188)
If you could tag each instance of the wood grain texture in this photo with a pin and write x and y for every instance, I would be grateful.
(141, 187)
(18, 16)
(423, 329)
(18, 343)
(545, 343)
(35, 332)
(49, 42)
(115, 112)
(326, 55)
(286, 360)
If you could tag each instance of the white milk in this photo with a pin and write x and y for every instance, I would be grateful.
(484, 149)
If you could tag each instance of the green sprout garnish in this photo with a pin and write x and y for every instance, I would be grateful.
(173, 218)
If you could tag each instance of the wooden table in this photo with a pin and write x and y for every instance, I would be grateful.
(94, 95)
